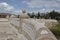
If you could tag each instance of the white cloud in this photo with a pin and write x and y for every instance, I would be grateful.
(17, 12)
(47, 5)
(23, 1)
(4, 7)
(41, 10)
(58, 0)
(42, 3)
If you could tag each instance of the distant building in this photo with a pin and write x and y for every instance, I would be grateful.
(14, 16)
(4, 15)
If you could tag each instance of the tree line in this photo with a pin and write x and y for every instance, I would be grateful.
(49, 15)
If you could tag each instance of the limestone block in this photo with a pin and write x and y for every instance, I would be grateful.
(31, 30)
(36, 30)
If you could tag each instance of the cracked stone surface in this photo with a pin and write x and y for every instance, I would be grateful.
(31, 30)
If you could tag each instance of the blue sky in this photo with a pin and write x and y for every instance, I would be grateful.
(16, 6)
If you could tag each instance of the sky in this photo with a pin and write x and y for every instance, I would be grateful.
(16, 6)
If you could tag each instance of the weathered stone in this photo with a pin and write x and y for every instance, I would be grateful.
(24, 29)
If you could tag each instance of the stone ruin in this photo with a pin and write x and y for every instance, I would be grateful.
(24, 28)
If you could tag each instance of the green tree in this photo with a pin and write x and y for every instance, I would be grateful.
(38, 15)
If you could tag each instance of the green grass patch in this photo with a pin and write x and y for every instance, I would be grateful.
(56, 30)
